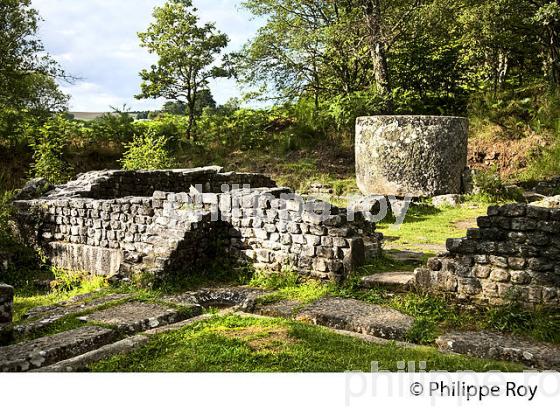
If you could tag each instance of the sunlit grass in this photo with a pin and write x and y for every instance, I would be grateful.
(240, 344)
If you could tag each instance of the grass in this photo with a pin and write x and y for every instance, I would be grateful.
(433, 314)
(239, 344)
(427, 225)
(27, 299)
(289, 286)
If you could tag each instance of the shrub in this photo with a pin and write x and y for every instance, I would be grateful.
(114, 127)
(147, 151)
(48, 150)
(489, 187)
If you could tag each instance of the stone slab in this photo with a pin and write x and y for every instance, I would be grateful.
(133, 317)
(496, 346)
(406, 256)
(85, 258)
(47, 350)
(41, 317)
(80, 363)
(358, 316)
(284, 308)
(240, 297)
(397, 281)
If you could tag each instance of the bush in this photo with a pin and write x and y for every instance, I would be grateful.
(113, 127)
(48, 150)
(489, 187)
(147, 151)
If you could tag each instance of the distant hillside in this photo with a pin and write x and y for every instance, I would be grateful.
(90, 116)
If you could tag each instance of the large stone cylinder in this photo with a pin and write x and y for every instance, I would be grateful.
(420, 156)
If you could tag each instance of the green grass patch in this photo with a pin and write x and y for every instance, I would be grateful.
(236, 344)
(27, 298)
(425, 224)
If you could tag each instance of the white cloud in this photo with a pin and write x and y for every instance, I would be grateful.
(96, 40)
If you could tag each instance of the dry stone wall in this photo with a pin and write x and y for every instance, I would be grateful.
(168, 232)
(513, 255)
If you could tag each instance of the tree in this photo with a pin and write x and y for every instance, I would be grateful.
(309, 47)
(27, 73)
(204, 99)
(325, 48)
(186, 50)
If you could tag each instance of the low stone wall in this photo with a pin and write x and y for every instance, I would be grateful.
(178, 231)
(513, 255)
(6, 304)
(117, 184)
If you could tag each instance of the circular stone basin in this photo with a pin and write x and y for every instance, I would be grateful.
(401, 155)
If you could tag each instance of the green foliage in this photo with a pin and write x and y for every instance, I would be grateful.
(48, 147)
(27, 87)
(274, 280)
(489, 187)
(112, 127)
(541, 324)
(186, 50)
(66, 285)
(6, 211)
(147, 152)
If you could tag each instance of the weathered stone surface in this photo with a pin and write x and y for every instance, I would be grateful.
(513, 255)
(285, 308)
(405, 256)
(51, 349)
(397, 281)
(548, 202)
(410, 155)
(242, 298)
(41, 317)
(449, 200)
(80, 257)
(94, 224)
(134, 317)
(502, 347)
(358, 316)
(34, 188)
(80, 363)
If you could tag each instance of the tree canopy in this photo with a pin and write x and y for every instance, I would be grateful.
(434, 51)
(186, 50)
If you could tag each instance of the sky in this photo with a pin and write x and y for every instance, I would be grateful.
(96, 40)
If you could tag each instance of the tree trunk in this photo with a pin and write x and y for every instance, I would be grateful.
(191, 104)
(372, 11)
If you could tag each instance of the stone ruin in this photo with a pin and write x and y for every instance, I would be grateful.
(513, 255)
(120, 223)
(418, 156)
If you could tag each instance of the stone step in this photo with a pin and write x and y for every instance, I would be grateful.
(357, 316)
(405, 256)
(133, 317)
(47, 350)
(395, 281)
(344, 314)
(80, 363)
(498, 346)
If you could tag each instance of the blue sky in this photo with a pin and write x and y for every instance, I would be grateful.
(96, 41)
